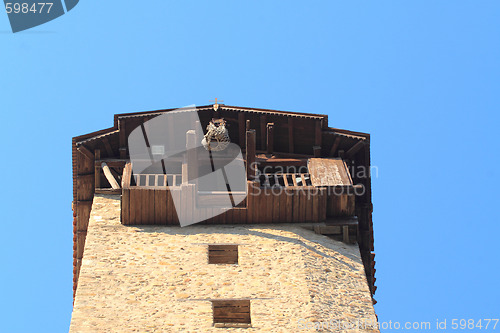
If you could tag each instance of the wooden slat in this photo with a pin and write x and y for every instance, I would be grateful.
(269, 205)
(296, 204)
(290, 135)
(276, 204)
(125, 207)
(315, 204)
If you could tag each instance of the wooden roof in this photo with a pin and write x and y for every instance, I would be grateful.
(296, 134)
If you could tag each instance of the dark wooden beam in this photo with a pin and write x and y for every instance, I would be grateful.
(317, 133)
(108, 148)
(354, 149)
(241, 128)
(335, 146)
(250, 154)
(85, 151)
(248, 125)
(97, 169)
(290, 135)
(270, 138)
(263, 123)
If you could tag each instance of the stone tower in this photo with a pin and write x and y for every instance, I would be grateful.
(292, 252)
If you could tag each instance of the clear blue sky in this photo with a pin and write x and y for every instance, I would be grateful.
(423, 77)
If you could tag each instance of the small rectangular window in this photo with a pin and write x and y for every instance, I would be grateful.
(223, 254)
(231, 313)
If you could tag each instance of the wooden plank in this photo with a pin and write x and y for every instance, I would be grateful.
(269, 205)
(97, 170)
(122, 138)
(107, 146)
(283, 202)
(309, 205)
(289, 205)
(270, 138)
(315, 205)
(328, 172)
(109, 176)
(134, 208)
(125, 207)
(290, 135)
(250, 155)
(317, 133)
(241, 129)
(345, 234)
(263, 132)
(303, 204)
(296, 204)
(276, 203)
(335, 146)
(323, 204)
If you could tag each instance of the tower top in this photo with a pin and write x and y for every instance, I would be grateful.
(216, 104)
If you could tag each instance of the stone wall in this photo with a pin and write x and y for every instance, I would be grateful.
(157, 279)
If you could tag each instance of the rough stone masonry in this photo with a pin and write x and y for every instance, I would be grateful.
(157, 278)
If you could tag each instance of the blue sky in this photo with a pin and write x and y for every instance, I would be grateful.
(423, 77)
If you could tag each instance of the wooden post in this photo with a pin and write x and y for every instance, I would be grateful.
(270, 138)
(241, 128)
(97, 170)
(250, 152)
(192, 163)
(248, 124)
(317, 133)
(290, 135)
(335, 146)
(263, 123)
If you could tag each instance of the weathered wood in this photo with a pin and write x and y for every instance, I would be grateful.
(317, 133)
(290, 135)
(354, 149)
(263, 132)
(127, 175)
(335, 146)
(248, 125)
(250, 155)
(109, 176)
(86, 152)
(241, 129)
(345, 234)
(270, 138)
(125, 206)
(97, 172)
(122, 137)
(107, 146)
